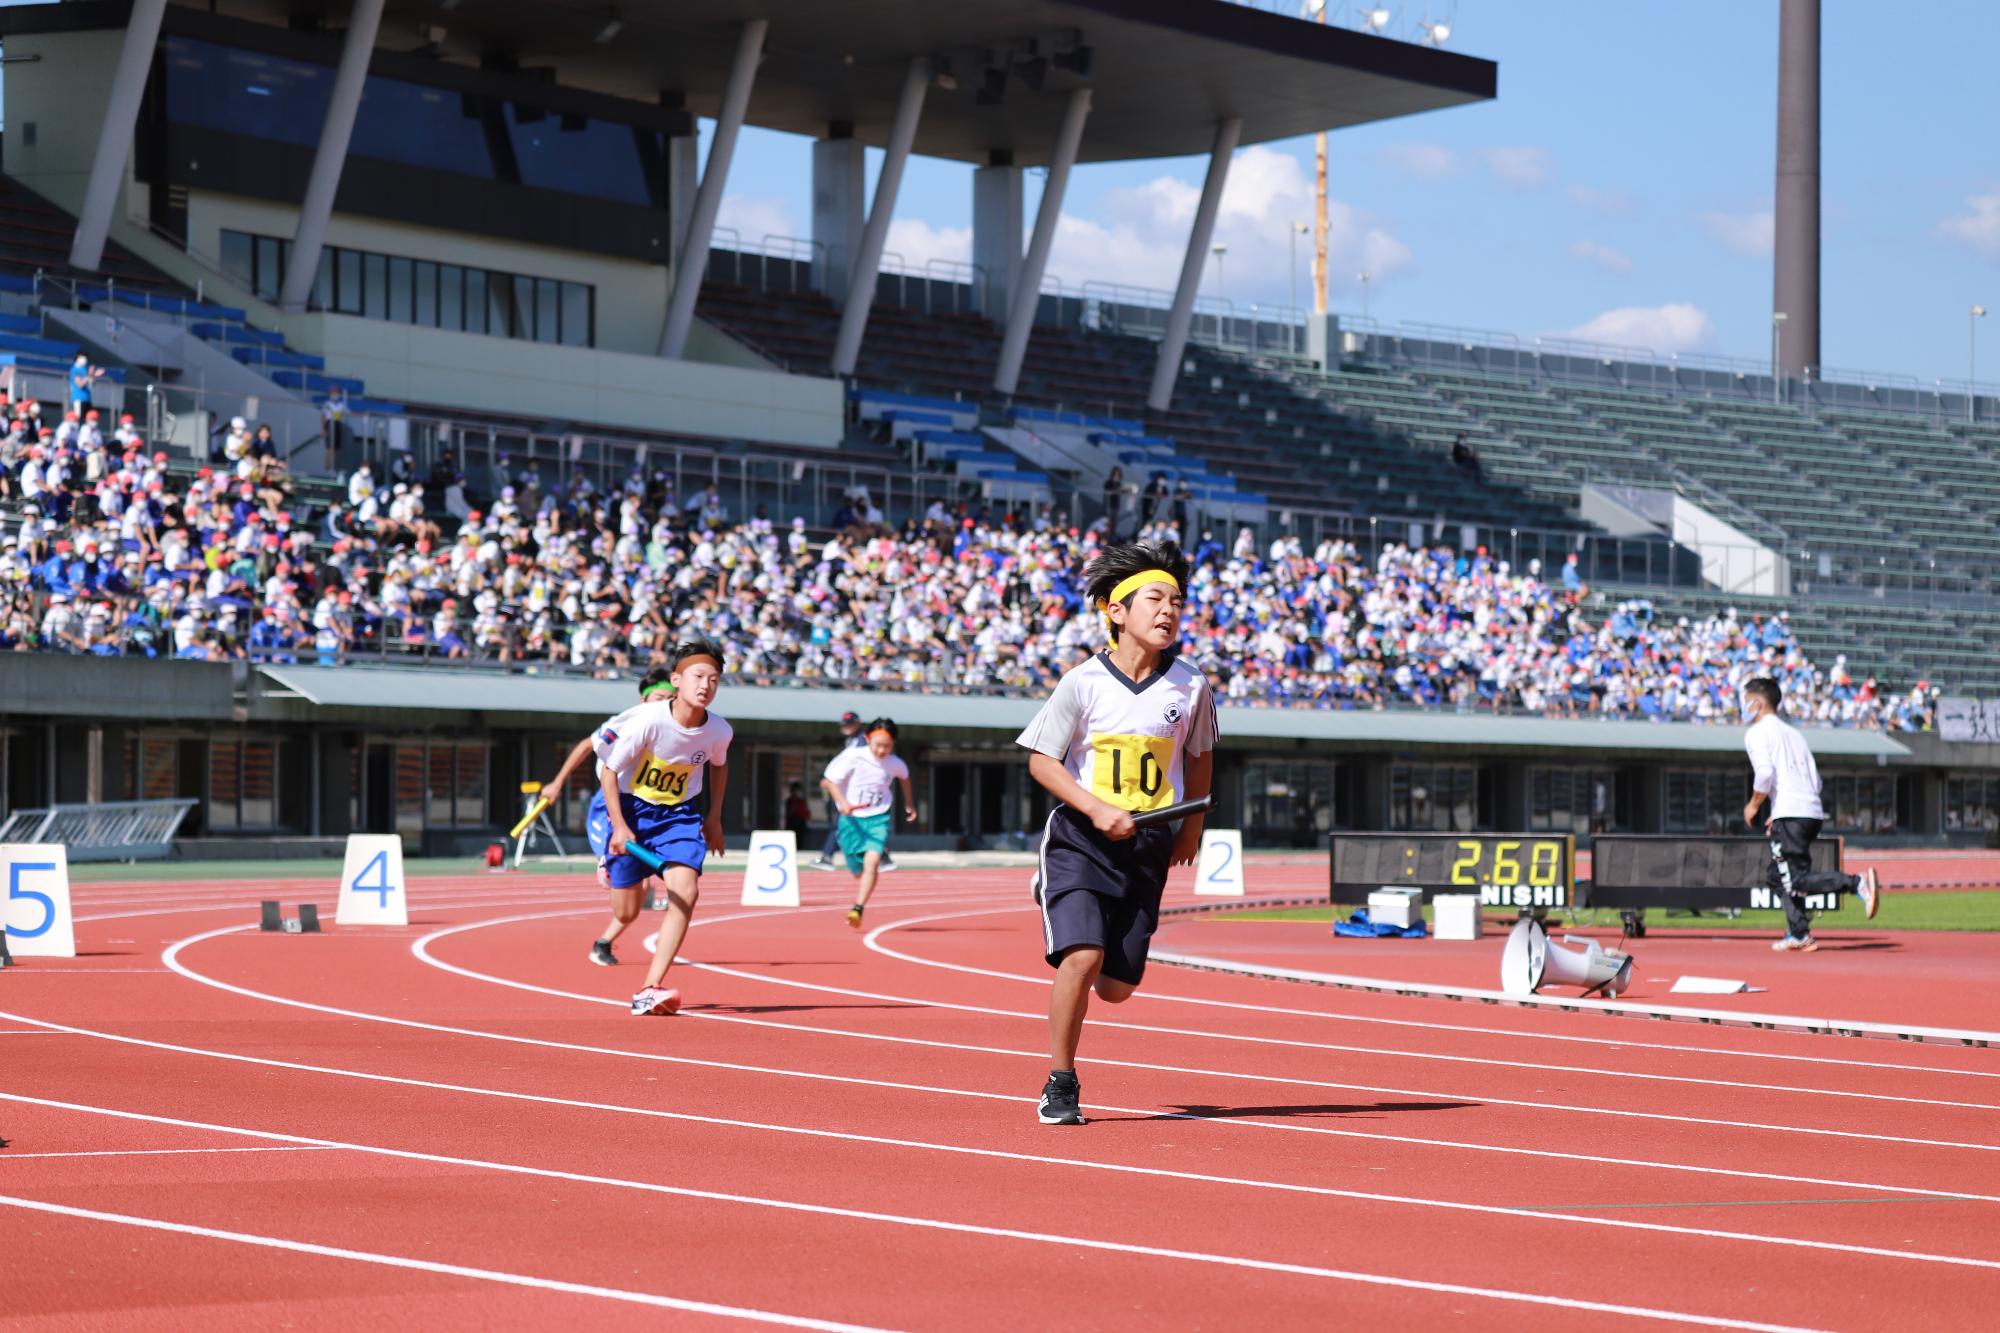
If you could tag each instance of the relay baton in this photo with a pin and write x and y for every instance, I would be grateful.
(534, 813)
(1168, 813)
(647, 857)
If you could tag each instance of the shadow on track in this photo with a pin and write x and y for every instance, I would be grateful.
(1200, 1111)
(786, 1008)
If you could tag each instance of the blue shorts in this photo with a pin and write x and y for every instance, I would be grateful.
(672, 833)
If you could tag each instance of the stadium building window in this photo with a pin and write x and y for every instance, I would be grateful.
(1707, 800)
(422, 292)
(254, 95)
(243, 785)
(1573, 800)
(1860, 803)
(1439, 798)
(1971, 803)
(1290, 801)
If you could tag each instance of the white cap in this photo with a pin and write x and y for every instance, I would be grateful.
(238, 423)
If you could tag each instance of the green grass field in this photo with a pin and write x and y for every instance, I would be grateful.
(1974, 910)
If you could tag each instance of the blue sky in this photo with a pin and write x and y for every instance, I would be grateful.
(1620, 186)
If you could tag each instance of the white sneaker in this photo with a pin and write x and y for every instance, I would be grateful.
(1795, 944)
(1870, 890)
(885, 866)
(655, 1000)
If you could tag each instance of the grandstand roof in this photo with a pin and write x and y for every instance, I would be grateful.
(440, 689)
(1165, 70)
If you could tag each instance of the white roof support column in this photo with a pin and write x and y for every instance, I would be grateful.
(693, 258)
(114, 137)
(1182, 314)
(1028, 286)
(875, 233)
(310, 238)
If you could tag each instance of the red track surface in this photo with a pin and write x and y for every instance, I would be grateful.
(456, 1125)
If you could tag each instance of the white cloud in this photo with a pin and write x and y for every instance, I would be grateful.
(1614, 202)
(1978, 226)
(1606, 258)
(1137, 236)
(751, 220)
(1676, 327)
(1520, 167)
(1428, 160)
(1745, 233)
(918, 242)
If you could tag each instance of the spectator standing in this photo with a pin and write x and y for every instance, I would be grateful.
(83, 378)
(1465, 456)
(850, 736)
(1114, 500)
(798, 812)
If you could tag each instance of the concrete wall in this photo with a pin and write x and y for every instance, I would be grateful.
(641, 392)
(44, 74)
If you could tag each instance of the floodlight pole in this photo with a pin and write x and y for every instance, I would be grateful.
(1972, 363)
(1174, 341)
(309, 239)
(691, 264)
(1777, 358)
(1795, 249)
(114, 136)
(1028, 284)
(875, 231)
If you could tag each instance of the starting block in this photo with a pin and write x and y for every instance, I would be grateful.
(274, 918)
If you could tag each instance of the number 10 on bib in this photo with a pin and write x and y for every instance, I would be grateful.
(771, 879)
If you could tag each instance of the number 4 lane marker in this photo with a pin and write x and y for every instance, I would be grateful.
(371, 882)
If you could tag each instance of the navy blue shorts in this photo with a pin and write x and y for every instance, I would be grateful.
(673, 833)
(1101, 893)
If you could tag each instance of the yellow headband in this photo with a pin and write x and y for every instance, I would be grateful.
(1133, 584)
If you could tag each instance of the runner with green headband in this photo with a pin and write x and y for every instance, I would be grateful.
(625, 906)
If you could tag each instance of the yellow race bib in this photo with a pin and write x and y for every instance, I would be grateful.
(1130, 771)
(660, 783)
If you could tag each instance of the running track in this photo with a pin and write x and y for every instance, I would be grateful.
(456, 1125)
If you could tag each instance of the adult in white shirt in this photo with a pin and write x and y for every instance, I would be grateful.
(1787, 780)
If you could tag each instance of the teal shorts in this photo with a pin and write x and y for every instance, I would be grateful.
(861, 834)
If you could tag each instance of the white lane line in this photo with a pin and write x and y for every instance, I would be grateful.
(872, 941)
(1204, 1257)
(149, 1152)
(1567, 1155)
(420, 948)
(1572, 1109)
(1163, 1173)
(443, 1269)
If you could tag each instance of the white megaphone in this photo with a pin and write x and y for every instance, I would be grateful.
(1532, 961)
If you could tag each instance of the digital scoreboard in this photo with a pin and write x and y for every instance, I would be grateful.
(1629, 871)
(1505, 870)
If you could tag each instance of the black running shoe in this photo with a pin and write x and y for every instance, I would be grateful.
(1059, 1101)
(600, 954)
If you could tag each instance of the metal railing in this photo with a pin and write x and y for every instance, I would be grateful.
(1554, 358)
(107, 831)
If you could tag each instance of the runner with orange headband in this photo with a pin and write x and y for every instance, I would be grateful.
(1129, 731)
(861, 780)
(651, 764)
